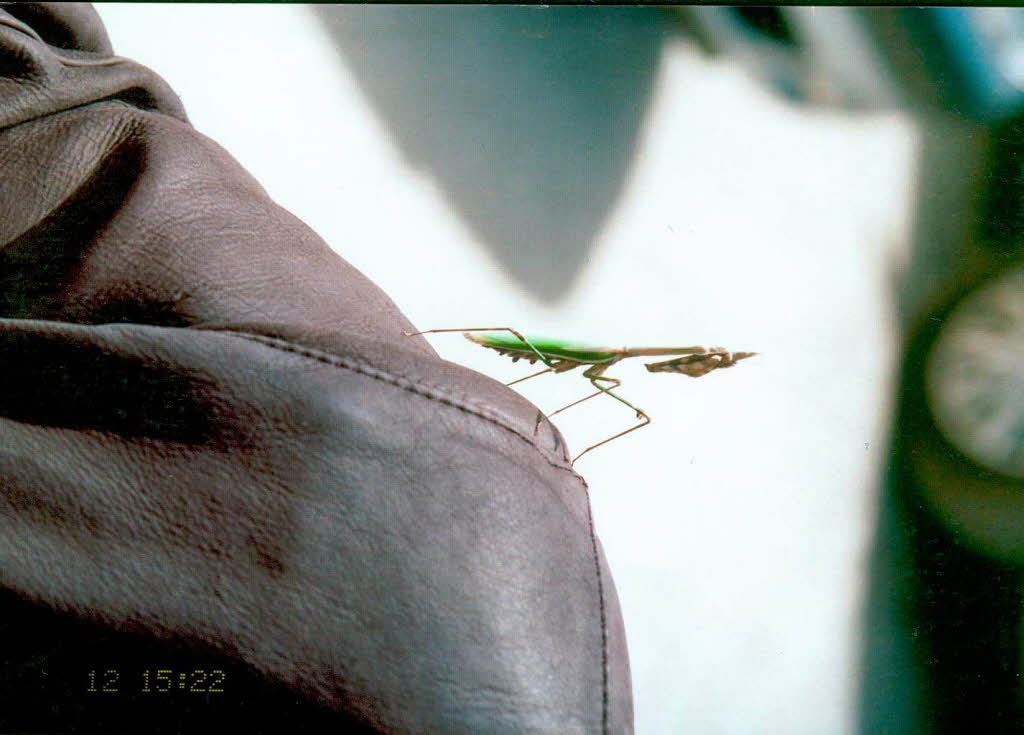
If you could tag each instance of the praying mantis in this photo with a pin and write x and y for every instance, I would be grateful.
(561, 356)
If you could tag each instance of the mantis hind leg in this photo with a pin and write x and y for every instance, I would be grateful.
(531, 375)
(594, 378)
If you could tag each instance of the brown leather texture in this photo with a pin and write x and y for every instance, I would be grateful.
(234, 496)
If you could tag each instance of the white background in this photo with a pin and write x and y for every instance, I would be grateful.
(737, 525)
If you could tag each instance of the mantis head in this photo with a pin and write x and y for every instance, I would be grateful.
(697, 365)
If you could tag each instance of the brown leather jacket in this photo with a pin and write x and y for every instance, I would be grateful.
(223, 467)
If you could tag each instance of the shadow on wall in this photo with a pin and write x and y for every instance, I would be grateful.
(526, 116)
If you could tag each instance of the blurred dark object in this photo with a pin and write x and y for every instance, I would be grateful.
(943, 623)
(965, 61)
(813, 55)
(968, 61)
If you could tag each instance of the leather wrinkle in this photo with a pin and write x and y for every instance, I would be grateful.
(104, 60)
(135, 97)
(165, 404)
(44, 257)
(37, 266)
(66, 28)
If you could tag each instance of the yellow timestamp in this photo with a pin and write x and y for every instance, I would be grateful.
(156, 681)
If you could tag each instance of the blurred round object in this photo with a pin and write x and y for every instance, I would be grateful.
(974, 375)
(967, 432)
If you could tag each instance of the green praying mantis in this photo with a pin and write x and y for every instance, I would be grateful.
(561, 356)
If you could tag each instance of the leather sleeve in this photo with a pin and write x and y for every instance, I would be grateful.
(221, 458)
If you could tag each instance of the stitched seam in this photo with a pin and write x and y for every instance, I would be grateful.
(604, 618)
(400, 381)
